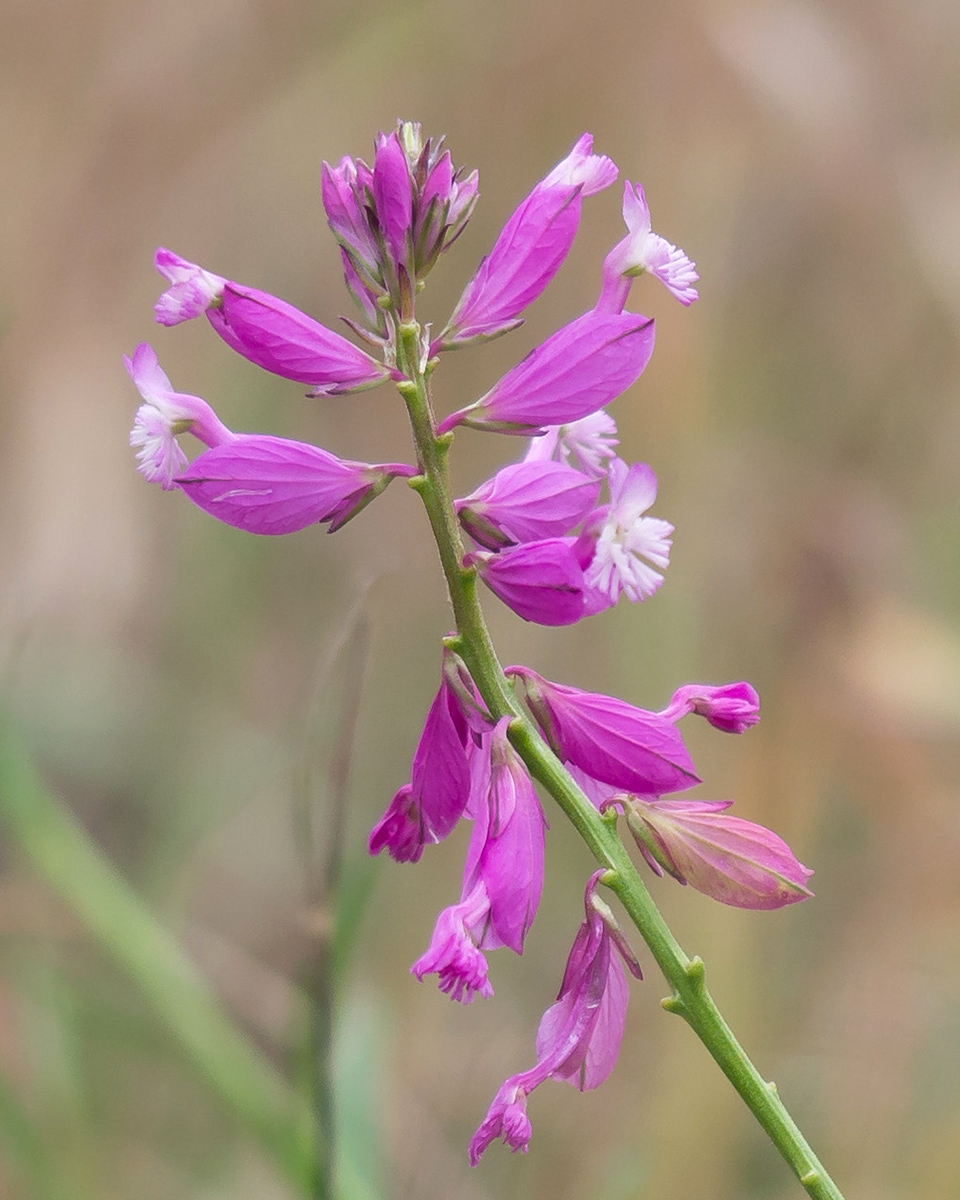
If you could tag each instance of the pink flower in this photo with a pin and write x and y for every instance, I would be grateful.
(530, 248)
(265, 330)
(272, 485)
(525, 502)
(641, 250)
(726, 858)
(426, 809)
(163, 415)
(541, 581)
(622, 550)
(573, 374)
(732, 707)
(613, 742)
(579, 1036)
(587, 444)
(502, 879)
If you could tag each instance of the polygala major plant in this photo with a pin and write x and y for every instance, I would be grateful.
(558, 536)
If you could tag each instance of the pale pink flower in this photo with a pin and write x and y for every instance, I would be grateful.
(643, 250)
(623, 550)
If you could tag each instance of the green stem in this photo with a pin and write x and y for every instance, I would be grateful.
(690, 998)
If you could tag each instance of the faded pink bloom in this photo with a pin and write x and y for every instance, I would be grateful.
(525, 502)
(579, 1036)
(588, 444)
(575, 372)
(530, 248)
(729, 859)
(622, 550)
(642, 250)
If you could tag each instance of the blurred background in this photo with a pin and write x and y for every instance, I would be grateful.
(200, 705)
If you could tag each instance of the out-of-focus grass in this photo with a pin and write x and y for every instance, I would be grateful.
(803, 421)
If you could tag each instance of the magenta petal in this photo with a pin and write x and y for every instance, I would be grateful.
(441, 771)
(400, 829)
(574, 373)
(729, 859)
(392, 194)
(524, 259)
(731, 707)
(511, 863)
(613, 742)
(526, 502)
(272, 485)
(284, 340)
(541, 581)
(452, 955)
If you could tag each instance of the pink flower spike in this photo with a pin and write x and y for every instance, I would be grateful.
(729, 859)
(642, 250)
(285, 341)
(271, 485)
(587, 444)
(192, 289)
(613, 742)
(541, 581)
(732, 707)
(624, 550)
(574, 373)
(525, 502)
(579, 1036)
(163, 416)
(530, 249)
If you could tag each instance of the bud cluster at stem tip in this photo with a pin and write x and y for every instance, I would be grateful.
(559, 535)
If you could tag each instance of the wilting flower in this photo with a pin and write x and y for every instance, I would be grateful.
(622, 550)
(588, 444)
(642, 250)
(574, 373)
(530, 248)
(579, 1036)
(265, 330)
(729, 859)
(525, 502)
(541, 581)
(502, 879)
(612, 741)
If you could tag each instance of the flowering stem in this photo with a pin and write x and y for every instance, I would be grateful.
(690, 997)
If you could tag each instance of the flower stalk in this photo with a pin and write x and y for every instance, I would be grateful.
(690, 997)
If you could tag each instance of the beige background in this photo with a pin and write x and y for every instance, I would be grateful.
(802, 419)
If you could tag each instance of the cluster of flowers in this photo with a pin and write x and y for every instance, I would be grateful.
(550, 545)
(620, 756)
